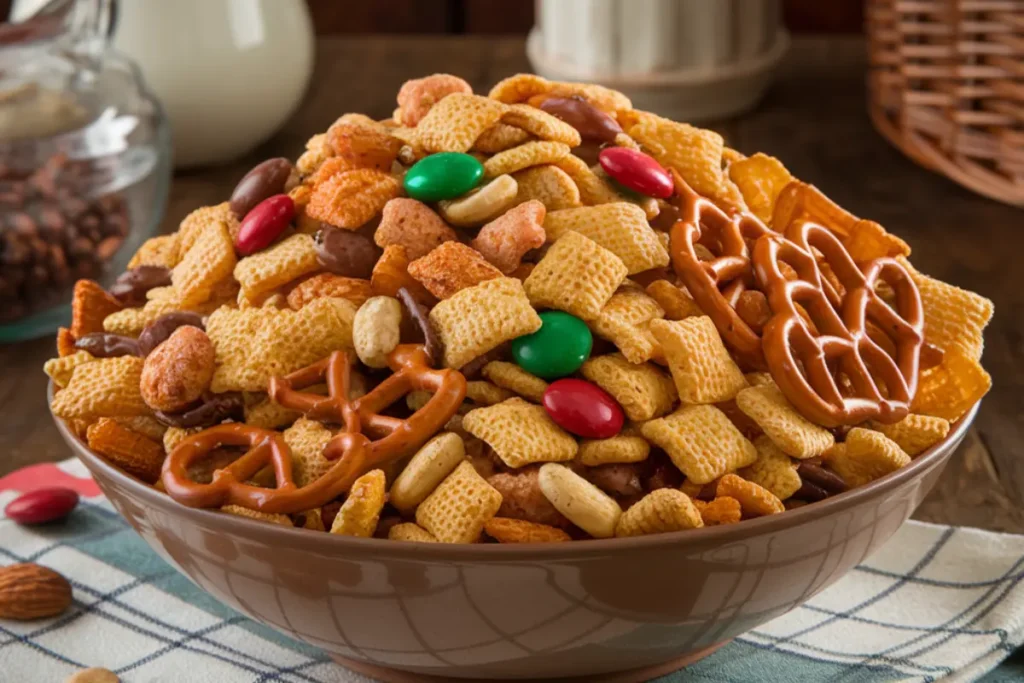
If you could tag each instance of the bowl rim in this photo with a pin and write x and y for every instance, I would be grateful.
(332, 543)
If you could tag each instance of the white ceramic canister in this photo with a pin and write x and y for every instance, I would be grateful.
(228, 72)
(686, 59)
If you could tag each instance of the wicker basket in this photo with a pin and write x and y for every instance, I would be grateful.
(946, 86)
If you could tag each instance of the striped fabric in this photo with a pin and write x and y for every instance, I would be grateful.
(936, 603)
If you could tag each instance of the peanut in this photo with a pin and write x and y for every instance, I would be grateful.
(376, 330)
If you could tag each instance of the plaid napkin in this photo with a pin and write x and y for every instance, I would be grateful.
(935, 603)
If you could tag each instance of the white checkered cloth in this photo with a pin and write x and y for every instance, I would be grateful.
(935, 603)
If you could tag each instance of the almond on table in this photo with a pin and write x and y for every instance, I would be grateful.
(452, 326)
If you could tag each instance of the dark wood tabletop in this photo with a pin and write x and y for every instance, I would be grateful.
(814, 119)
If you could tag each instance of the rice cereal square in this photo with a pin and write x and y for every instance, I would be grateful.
(701, 366)
(521, 433)
(701, 441)
(576, 275)
(619, 227)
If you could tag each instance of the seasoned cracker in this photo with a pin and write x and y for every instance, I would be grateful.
(701, 441)
(576, 275)
(755, 500)
(350, 199)
(721, 510)
(949, 390)
(505, 240)
(520, 433)
(418, 95)
(760, 178)
(507, 530)
(512, 377)
(619, 227)
(643, 391)
(90, 305)
(414, 225)
(329, 285)
(459, 507)
(792, 432)
(391, 273)
(701, 366)
(130, 451)
(451, 268)
(480, 318)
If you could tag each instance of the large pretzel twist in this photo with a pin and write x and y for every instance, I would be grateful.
(806, 364)
(716, 285)
(353, 451)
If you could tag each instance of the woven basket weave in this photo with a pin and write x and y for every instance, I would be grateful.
(946, 86)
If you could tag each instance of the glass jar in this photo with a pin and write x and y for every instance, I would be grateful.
(84, 162)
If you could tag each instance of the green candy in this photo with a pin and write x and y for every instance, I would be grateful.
(445, 175)
(557, 349)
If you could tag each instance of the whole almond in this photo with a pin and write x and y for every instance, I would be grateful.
(178, 371)
(29, 591)
(95, 674)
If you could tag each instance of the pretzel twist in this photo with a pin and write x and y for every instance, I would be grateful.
(809, 364)
(352, 450)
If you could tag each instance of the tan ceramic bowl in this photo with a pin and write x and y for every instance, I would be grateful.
(643, 605)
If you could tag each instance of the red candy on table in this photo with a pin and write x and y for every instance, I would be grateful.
(42, 505)
(583, 409)
(264, 223)
(636, 171)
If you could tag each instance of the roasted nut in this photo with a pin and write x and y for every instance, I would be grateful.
(376, 330)
(29, 591)
(178, 371)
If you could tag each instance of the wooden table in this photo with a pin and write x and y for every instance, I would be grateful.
(814, 120)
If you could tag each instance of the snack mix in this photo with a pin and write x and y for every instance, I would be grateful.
(538, 315)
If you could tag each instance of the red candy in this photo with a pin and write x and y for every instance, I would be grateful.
(583, 409)
(42, 505)
(264, 223)
(636, 171)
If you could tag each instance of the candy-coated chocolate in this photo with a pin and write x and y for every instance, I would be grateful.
(42, 505)
(264, 223)
(583, 409)
(264, 180)
(445, 175)
(557, 349)
(636, 171)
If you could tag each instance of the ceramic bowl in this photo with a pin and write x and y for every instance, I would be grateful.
(633, 607)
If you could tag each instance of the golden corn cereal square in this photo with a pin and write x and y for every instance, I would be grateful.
(329, 285)
(161, 250)
(625, 321)
(914, 433)
(701, 441)
(791, 431)
(479, 318)
(549, 185)
(695, 152)
(868, 240)
(310, 519)
(106, 387)
(954, 318)
(949, 390)
(268, 414)
(269, 269)
(677, 302)
(522, 87)
(269, 518)
(619, 227)
(519, 88)
(454, 123)
(351, 199)
(521, 433)
(147, 426)
(407, 531)
(759, 379)
(593, 189)
(660, 511)
(701, 366)
(616, 449)
(210, 259)
(459, 507)
(500, 137)
(90, 306)
(576, 275)
(254, 344)
(418, 95)
(866, 455)
(451, 268)
(199, 220)
(508, 530)
(360, 512)
(175, 435)
(528, 154)
(541, 124)
(760, 179)
(306, 439)
(61, 369)
(126, 449)
(721, 510)
(773, 469)
(486, 394)
(643, 391)
(512, 377)
(755, 500)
